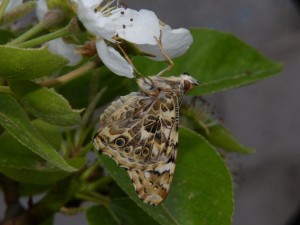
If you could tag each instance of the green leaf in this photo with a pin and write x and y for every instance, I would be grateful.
(200, 120)
(5, 36)
(26, 64)
(15, 121)
(20, 164)
(100, 78)
(119, 211)
(45, 104)
(52, 133)
(122, 178)
(201, 192)
(99, 214)
(220, 137)
(219, 61)
(129, 213)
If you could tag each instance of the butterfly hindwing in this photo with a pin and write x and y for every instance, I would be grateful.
(140, 132)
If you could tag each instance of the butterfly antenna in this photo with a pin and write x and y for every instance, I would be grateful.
(167, 58)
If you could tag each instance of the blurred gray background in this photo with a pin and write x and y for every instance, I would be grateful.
(264, 115)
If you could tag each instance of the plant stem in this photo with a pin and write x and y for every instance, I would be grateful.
(85, 125)
(3, 7)
(90, 109)
(71, 211)
(28, 34)
(5, 90)
(50, 21)
(99, 183)
(93, 197)
(79, 138)
(71, 75)
(86, 174)
(69, 144)
(48, 37)
(11, 197)
(85, 150)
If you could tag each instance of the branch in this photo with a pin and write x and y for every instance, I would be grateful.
(58, 196)
(71, 75)
(11, 196)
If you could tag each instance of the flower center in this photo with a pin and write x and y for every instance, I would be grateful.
(106, 7)
(107, 10)
(122, 19)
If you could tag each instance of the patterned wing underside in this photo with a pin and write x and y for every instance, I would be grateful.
(140, 133)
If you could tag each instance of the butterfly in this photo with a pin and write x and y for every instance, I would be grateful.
(140, 132)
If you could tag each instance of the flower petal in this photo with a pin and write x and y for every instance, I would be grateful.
(91, 4)
(138, 27)
(12, 4)
(94, 21)
(58, 46)
(41, 9)
(113, 60)
(175, 42)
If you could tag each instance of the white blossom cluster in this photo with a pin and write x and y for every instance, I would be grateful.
(111, 22)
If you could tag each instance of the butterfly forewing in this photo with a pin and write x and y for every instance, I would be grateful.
(140, 132)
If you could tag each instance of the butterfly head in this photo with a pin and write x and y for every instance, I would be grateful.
(188, 82)
(155, 85)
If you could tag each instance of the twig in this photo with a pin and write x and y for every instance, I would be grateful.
(70, 76)
(11, 196)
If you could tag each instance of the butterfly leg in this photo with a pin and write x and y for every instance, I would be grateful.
(136, 72)
(167, 58)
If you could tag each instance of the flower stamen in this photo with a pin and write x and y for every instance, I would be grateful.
(108, 4)
(106, 8)
(113, 23)
(123, 5)
(107, 12)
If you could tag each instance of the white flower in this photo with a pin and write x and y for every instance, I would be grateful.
(175, 43)
(142, 28)
(113, 60)
(108, 23)
(58, 46)
(12, 4)
(66, 50)
(95, 22)
(138, 27)
(41, 9)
